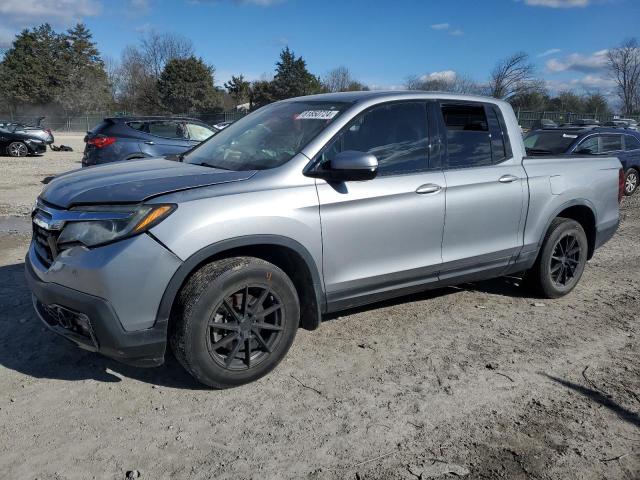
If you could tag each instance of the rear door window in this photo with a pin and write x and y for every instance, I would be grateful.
(468, 139)
(631, 143)
(499, 140)
(140, 126)
(168, 129)
(588, 146)
(610, 143)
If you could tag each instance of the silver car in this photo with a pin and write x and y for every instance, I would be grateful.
(305, 207)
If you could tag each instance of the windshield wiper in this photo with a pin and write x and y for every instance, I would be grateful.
(205, 164)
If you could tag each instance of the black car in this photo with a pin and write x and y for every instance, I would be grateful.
(624, 144)
(20, 140)
(126, 138)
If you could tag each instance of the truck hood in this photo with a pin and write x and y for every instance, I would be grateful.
(132, 181)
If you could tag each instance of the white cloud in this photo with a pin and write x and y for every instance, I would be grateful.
(558, 3)
(14, 16)
(587, 83)
(444, 75)
(577, 62)
(551, 51)
(446, 27)
(261, 3)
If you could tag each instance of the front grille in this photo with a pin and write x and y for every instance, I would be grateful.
(43, 241)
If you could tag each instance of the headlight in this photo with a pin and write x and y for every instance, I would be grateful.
(113, 223)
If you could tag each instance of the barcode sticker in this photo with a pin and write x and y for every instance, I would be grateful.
(317, 115)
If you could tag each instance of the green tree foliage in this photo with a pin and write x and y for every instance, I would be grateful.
(85, 86)
(31, 70)
(292, 78)
(186, 86)
(45, 67)
(238, 88)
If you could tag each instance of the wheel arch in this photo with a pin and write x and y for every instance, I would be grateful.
(582, 212)
(289, 255)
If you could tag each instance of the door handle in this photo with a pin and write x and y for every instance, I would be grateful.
(428, 188)
(150, 142)
(508, 178)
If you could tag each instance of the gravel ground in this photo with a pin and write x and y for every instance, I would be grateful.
(480, 382)
(21, 179)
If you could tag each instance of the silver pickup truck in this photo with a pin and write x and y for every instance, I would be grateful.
(304, 207)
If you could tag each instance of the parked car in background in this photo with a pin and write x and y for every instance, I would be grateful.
(631, 123)
(20, 140)
(623, 144)
(306, 207)
(543, 123)
(222, 125)
(127, 138)
(583, 122)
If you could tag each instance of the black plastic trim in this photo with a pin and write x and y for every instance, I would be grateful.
(201, 256)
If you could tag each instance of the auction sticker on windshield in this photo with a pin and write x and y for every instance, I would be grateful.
(317, 115)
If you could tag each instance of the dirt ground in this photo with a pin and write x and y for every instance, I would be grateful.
(479, 382)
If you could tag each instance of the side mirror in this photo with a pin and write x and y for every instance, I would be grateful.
(348, 166)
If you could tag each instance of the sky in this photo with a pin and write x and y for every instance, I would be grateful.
(382, 42)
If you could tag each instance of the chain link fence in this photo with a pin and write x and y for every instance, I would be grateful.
(527, 119)
(85, 122)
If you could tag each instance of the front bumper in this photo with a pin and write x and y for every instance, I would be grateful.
(36, 148)
(144, 348)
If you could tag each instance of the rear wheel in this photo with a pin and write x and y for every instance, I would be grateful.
(561, 260)
(631, 179)
(235, 322)
(17, 149)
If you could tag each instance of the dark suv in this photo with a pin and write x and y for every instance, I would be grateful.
(624, 144)
(126, 138)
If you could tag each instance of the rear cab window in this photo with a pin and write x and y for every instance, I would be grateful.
(543, 142)
(467, 135)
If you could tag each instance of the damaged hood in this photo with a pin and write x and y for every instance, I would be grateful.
(132, 181)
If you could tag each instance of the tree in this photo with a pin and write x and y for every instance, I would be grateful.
(292, 79)
(596, 103)
(340, 80)
(261, 93)
(30, 72)
(444, 83)
(85, 85)
(238, 88)
(513, 76)
(624, 69)
(141, 66)
(43, 67)
(186, 86)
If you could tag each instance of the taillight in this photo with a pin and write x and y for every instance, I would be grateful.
(101, 142)
(620, 185)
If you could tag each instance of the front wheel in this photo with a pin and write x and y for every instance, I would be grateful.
(235, 321)
(561, 260)
(17, 149)
(630, 181)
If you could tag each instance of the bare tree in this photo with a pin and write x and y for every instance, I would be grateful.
(514, 75)
(624, 68)
(159, 48)
(340, 80)
(451, 84)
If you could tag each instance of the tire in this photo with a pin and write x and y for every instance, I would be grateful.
(556, 273)
(17, 149)
(215, 321)
(631, 179)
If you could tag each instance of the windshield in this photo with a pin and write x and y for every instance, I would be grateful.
(552, 143)
(267, 138)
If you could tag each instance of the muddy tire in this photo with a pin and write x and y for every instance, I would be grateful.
(235, 321)
(561, 260)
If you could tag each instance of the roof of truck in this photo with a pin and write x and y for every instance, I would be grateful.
(395, 94)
